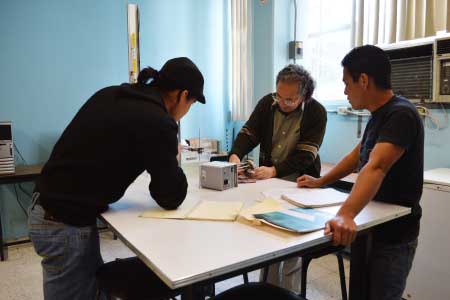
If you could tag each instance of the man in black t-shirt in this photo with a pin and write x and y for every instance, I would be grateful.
(390, 163)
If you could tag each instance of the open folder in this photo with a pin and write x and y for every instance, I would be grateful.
(203, 210)
(315, 197)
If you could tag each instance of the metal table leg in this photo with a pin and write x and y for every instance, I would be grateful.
(3, 250)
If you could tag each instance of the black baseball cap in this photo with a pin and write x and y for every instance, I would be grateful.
(183, 74)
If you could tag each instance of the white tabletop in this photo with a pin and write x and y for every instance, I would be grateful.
(437, 176)
(183, 252)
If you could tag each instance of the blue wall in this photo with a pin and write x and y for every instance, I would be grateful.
(57, 53)
(340, 138)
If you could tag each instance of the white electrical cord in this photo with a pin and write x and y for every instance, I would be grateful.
(358, 113)
(425, 112)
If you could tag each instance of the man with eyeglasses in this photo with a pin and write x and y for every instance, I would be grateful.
(289, 126)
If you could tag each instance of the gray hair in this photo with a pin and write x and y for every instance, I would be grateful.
(296, 73)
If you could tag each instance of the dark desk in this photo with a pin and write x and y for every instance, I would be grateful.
(22, 174)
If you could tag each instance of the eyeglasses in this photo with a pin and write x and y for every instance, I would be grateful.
(286, 101)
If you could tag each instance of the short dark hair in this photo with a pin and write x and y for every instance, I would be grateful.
(371, 60)
(296, 73)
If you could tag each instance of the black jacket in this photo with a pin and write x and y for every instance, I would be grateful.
(259, 130)
(117, 134)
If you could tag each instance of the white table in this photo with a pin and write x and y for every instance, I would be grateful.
(186, 252)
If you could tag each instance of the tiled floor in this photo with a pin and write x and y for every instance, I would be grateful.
(21, 277)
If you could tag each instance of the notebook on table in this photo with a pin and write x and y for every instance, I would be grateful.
(314, 198)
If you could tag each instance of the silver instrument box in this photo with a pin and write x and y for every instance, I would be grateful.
(218, 175)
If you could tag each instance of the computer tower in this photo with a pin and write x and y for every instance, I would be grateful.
(6, 149)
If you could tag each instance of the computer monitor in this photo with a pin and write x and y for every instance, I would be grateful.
(7, 165)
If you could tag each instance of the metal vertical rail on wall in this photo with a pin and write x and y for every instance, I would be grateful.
(133, 42)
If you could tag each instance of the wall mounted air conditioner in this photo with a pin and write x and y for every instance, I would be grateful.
(442, 69)
(421, 69)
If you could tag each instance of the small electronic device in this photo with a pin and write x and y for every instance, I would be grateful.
(6, 149)
(218, 175)
(295, 50)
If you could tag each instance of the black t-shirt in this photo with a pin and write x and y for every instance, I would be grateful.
(397, 122)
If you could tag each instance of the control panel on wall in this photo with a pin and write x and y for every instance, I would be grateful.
(6, 149)
(442, 70)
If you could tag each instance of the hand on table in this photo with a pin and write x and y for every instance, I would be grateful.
(343, 229)
(308, 182)
(264, 173)
(235, 159)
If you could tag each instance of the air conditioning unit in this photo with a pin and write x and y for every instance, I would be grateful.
(421, 69)
(7, 165)
(442, 69)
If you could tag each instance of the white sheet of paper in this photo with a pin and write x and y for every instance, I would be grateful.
(276, 193)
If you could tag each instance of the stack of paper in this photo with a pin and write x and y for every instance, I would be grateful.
(299, 220)
(203, 210)
(315, 197)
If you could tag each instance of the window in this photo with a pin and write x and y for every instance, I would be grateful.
(325, 29)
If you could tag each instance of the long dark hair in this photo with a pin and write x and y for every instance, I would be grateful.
(146, 74)
(158, 81)
(152, 77)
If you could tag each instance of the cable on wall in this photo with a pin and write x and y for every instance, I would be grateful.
(435, 122)
(21, 188)
(295, 25)
(18, 201)
(20, 154)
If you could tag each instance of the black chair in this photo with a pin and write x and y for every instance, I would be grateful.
(257, 291)
(131, 279)
(306, 260)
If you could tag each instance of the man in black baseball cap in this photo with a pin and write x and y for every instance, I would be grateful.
(120, 132)
(182, 73)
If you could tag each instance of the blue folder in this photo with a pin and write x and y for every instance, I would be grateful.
(296, 219)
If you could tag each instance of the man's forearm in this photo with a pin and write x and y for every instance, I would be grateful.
(366, 186)
(343, 168)
(242, 145)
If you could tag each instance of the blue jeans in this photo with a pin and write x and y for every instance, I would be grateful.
(70, 256)
(390, 266)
